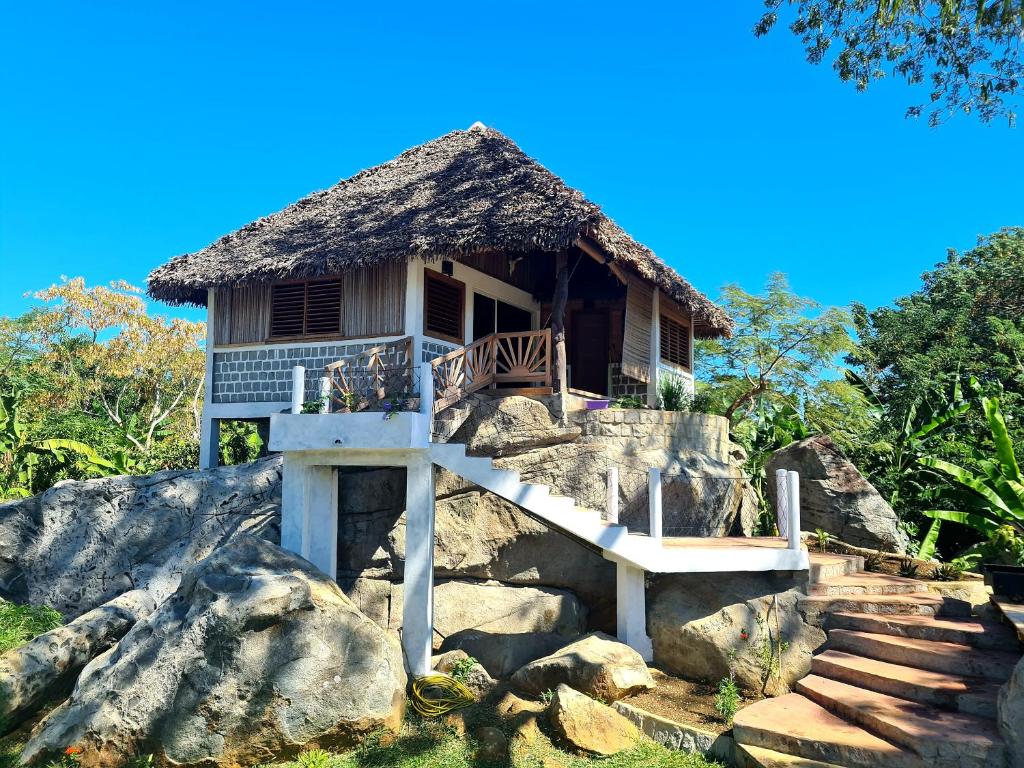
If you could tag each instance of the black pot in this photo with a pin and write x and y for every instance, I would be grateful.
(1005, 580)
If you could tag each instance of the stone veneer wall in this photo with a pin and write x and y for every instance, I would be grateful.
(265, 375)
(621, 384)
(432, 349)
(668, 430)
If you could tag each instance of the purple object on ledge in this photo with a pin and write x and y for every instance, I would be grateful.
(597, 405)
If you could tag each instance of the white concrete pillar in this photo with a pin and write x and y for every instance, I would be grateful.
(325, 394)
(293, 505)
(612, 498)
(298, 388)
(631, 610)
(321, 545)
(418, 601)
(209, 443)
(793, 489)
(654, 498)
(781, 502)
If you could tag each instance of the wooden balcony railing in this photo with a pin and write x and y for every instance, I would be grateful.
(500, 358)
(358, 381)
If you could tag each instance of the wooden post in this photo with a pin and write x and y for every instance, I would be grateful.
(558, 320)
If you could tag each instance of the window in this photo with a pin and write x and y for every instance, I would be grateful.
(675, 342)
(306, 309)
(443, 303)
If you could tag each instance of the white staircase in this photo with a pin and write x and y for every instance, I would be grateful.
(558, 511)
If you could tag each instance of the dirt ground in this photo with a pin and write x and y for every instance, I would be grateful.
(683, 701)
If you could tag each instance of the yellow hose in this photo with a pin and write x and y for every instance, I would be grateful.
(435, 695)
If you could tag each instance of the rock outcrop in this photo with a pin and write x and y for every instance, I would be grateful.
(45, 668)
(82, 543)
(473, 675)
(589, 725)
(1011, 715)
(503, 654)
(836, 497)
(701, 627)
(597, 665)
(256, 656)
(490, 607)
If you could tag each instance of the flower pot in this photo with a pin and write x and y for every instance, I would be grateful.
(1005, 580)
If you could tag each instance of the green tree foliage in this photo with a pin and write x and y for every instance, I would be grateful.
(782, 350)
(966, 56)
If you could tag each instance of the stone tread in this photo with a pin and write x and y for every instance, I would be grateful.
(933, 733)
(923, 603)
(964, 631)
(868, 583)
(934, 655)
(795, 725)
(759, 757)
(973, 695)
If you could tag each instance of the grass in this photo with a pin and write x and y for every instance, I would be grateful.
(431, 744)
(20, 623)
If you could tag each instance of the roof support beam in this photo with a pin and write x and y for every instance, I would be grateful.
(594, 251)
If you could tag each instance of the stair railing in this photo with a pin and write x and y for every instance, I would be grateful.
(374, 374)
(498, 358)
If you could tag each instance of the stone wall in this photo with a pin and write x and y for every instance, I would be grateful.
(432, 348)
(643, 430)
(265, 375)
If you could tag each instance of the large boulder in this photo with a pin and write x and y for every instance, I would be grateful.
(489, 607)
(503, 654)
(589, 725)
(702, 628)
(255, 656)
(82, 543)
(835, 496)
(597, 665)
(1011, 715)
(498, 427)
(46, 667)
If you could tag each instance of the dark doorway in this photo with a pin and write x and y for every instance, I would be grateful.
(589, 351)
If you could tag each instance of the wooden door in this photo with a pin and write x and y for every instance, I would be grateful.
(588, 350)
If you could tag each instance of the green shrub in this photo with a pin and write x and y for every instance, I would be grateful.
(314, 758)
(824, 538)
(672, 394)
(873, 562)
(908, 568)
(629, 401)
(462, 667)
(20, 623)
(947, 572)
(727, 700)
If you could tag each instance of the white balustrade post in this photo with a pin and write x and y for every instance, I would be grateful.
(654, 495)
(793, 493)
(418, 603)
(781, 502)
(325, 394)
(612, 499)
(298, 388)
(427, 397)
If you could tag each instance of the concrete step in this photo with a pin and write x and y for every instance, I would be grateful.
(963, 631)
(817, 607)
(971, 695)
(795, 725)
(828, 565)
(747, 756)
(944, 739)
(868, 584)
(926, 654)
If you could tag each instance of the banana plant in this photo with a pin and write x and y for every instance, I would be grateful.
(993, 497)
(20, 457)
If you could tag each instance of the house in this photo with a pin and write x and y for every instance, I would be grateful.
(461, 265)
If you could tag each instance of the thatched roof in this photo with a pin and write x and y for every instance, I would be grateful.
(465, 192)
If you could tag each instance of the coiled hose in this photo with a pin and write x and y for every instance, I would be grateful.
(436, 695)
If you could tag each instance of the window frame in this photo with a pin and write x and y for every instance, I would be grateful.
(431, 274)
(683, 324)
(337, 334)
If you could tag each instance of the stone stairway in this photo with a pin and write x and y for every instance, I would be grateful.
(906, 680)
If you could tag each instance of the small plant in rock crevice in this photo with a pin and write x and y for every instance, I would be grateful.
(547, 696)
(824, 539)
(947, 572)
(908, 568)
(462, 667)
(873, 562)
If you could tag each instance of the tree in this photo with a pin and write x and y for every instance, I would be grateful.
(967, 53)
(779, 351)
(107, 358)
(966, 320)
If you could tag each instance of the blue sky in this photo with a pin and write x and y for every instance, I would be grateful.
(132, 132)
